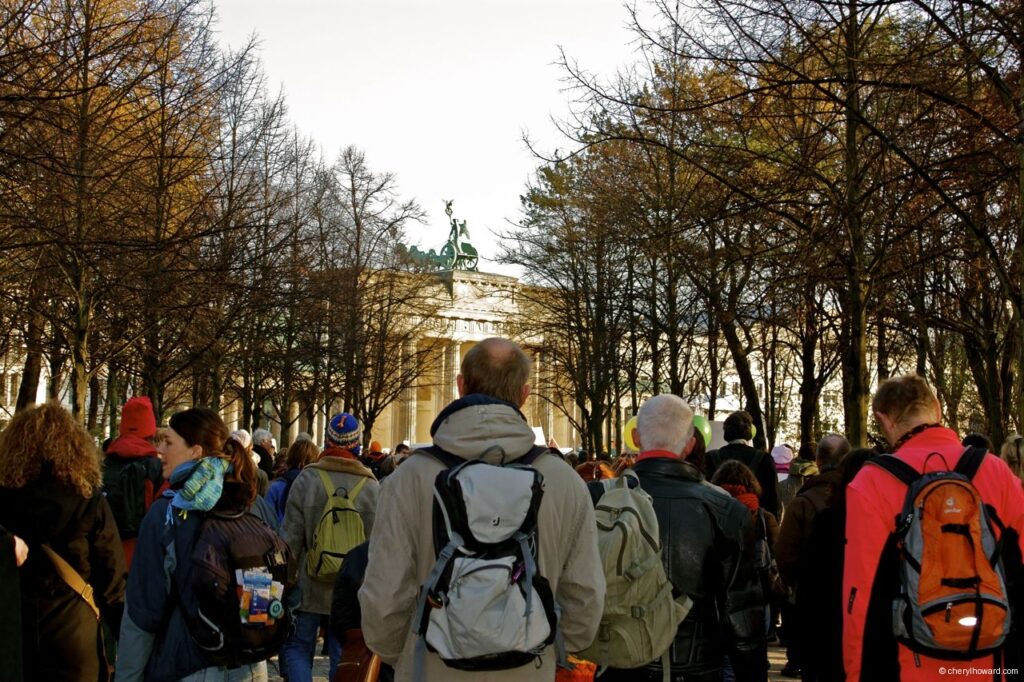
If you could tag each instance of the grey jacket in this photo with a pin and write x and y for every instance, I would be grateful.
(302, 513)
(402, 546)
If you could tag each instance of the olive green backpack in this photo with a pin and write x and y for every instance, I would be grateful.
(338, 532)
(640, 616)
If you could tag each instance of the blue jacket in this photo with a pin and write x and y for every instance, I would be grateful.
(277, 495)
(155, 644)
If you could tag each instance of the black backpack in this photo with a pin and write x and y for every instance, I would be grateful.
(243, 577)
(124, 486)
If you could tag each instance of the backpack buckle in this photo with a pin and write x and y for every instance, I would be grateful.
(638, 611)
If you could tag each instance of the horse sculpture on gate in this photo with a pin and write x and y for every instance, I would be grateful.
(456, 254)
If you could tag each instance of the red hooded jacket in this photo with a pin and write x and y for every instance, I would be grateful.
(873, 499)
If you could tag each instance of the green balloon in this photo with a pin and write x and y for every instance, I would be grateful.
(703, 427)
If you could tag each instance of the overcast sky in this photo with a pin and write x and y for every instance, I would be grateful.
(438, 92)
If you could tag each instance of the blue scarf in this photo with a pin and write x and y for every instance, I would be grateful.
(196, 485)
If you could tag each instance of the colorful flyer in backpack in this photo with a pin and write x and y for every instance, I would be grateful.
(256, 595)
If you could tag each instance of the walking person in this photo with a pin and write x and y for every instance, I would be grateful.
(873, 648)
(132, 471)
(706, 550)
(50, 496)
(208, 471)
(484, 423)
(330, 510)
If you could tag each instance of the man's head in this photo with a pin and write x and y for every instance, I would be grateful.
(902, 403)
(665, 422)
(344, 431)
(498, 368)
(263, 438)
(831, 448)
(738, 426)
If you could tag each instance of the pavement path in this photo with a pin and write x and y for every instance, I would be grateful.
(776, 655)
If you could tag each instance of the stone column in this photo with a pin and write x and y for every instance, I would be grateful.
(409, 403)
(454, 353)
(293, 426)
(321, 426)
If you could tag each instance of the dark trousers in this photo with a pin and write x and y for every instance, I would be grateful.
(650, 675)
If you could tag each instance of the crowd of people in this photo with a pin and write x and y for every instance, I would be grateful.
(487, 557)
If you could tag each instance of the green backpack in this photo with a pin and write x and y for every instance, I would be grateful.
(338, 532)
(640, 616)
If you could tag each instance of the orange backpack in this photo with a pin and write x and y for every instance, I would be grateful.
(952, 601)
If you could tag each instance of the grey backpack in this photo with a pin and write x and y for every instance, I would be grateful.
(485, 606)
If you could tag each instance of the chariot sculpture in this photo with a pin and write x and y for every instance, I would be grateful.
(456, 254)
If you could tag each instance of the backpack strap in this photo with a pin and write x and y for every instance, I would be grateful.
(357, 489)
(897, 467)
(970, 461)
(73, 580)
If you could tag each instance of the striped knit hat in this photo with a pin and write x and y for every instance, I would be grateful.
(345, 431)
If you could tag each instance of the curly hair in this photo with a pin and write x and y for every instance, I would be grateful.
(47, 436)
(735, 472)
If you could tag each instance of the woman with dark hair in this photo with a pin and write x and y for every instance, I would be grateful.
(300, 454)
(207, 471)
(50, 497)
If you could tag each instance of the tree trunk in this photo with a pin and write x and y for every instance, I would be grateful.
(741, 363)
(94, 403)
(29, 387)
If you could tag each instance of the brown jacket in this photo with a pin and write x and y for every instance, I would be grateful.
(305, 504)
(402, 546)
(796, 524)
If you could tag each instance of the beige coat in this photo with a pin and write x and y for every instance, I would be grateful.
(306, 501)
(402, 551)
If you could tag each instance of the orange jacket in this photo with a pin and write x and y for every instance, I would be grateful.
(874, 498)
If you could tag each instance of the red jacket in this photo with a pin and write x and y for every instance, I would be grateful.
(873, 499)
(129, 446)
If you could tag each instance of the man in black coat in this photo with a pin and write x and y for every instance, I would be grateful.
(703, 532)
(738, 431)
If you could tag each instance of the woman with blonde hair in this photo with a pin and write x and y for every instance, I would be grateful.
(208, 471)
(1012, 453)
(50, 496)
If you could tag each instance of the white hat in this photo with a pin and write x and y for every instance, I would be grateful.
(243, 437)
(782, 454)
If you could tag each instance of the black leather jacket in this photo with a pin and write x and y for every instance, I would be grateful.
(702, 533)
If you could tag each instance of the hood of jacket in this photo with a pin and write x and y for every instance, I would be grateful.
(803, 467)
(344, 465)
(130, 446)
(829, 479)
(478, 425)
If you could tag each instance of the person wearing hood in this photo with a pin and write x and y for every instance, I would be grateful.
(50, 497)
(303, 509)
(493, 385)
(132, 477)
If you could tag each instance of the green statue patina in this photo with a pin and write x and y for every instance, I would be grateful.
(456, 254)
